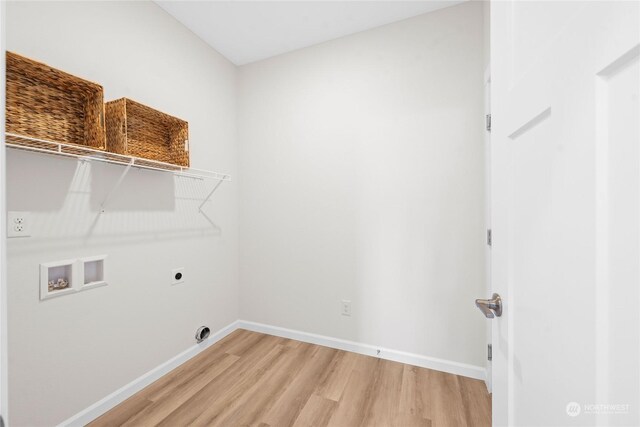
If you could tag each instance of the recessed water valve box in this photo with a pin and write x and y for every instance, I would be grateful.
(93, 271)
(71, 276)
(57, 278)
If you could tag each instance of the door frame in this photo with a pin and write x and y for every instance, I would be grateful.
(3, 235)
(487, 214)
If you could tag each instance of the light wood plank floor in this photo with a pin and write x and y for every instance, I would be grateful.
(261, 380)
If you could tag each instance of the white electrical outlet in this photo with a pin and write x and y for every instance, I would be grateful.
(177, 276)
(18, 224)
(345, 307)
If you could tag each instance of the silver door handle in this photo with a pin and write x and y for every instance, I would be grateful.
(490, 307)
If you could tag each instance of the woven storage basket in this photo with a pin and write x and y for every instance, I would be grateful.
(49, 104)
(137, 130)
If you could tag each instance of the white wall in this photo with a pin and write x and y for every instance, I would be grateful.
(362, 175)
(486, 36)
(68, 352)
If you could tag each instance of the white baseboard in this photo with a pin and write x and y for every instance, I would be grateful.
(463, 369)
(100, 407)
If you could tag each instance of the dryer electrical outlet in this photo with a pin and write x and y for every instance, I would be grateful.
(177, 276)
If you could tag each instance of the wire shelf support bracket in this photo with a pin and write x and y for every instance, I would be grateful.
(82, 153)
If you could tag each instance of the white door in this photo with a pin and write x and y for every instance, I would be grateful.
(565, 80)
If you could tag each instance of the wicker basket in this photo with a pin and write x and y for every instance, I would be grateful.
(46, 103)
(137, 130)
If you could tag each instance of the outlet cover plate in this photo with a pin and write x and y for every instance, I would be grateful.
(345, 307)
(177, 276)
(18, 224)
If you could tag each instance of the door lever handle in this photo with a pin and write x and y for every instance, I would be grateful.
(490, 307)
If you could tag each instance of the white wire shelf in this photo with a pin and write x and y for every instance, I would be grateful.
(83, 153)
(26, 143)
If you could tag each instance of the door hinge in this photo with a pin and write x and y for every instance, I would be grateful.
(489, 352)
(488, 122)
(489, 236)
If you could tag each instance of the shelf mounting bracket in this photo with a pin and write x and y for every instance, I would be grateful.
(116, 185)
(206, 199)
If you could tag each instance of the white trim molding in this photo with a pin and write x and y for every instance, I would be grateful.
(451, 367)
(100, 407)
(4, 359)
